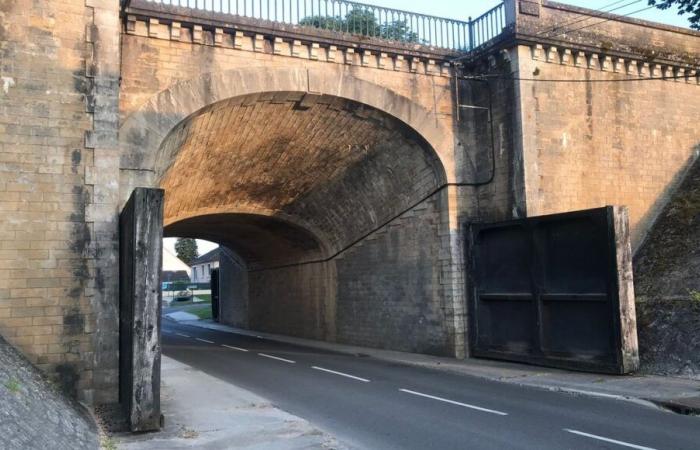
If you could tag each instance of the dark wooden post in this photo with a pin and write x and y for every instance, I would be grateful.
(628, 345)
(140, 261)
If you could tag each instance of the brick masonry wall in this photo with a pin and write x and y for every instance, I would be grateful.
(156, 56)
(57, 227)
(395, 289)
(595, 143)
(601, 141)
(302, 300)
(396, 280)
(233, 290)
(296, 301)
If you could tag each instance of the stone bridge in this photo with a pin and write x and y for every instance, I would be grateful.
(339, 170)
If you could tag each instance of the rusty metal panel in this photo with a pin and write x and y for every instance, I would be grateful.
(554, 290)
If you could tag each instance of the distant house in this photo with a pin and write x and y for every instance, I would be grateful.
(174, 269)
(202, 266)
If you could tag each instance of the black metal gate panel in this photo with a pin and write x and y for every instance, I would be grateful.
(554, 290)
(214, 283)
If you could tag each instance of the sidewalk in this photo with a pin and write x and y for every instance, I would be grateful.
(680, 395)
(204, 412)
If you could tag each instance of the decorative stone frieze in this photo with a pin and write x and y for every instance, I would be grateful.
(296, 48)
(606, 63)
(175, 31)
(219, 37)
(197, 34)
(367, 58)
(153, 27)
(350, 56)
(259, 43)
(567, 57)
(238, 40)
(619, 65)
(282, 46)
(331, 53)
(313, 51)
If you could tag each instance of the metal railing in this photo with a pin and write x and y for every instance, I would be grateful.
(360, 19)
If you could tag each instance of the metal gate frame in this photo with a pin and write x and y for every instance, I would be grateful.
(214, 285)
(624, 357)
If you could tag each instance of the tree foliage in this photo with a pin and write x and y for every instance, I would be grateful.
(186, 250)
(363, 22)
(691, 7)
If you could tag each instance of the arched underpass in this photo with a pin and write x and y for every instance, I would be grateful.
(299, 188)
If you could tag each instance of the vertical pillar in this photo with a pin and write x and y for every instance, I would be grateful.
(628, 344)
(140, 263)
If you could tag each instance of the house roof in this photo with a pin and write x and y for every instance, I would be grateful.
(207, 257)
(172, 263)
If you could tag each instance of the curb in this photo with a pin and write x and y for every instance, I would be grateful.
(685, 406)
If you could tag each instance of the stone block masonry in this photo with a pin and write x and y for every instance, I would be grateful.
(603, 140)
(58, 123)
(93, 105)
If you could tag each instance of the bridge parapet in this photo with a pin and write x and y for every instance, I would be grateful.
(331, 25)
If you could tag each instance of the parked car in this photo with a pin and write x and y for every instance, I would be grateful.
(183, 296)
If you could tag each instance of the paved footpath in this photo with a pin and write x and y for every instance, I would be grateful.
(204, 412)
(373, 403)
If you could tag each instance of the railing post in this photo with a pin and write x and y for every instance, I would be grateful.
(511, 9)
(368, 20)
(471, 34)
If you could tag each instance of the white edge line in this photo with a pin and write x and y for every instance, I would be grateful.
(466, 405)
(234, 348)
(638, 401)
(183, 335)
(365, 380)
(277, 358)
(204, 340)
(594, 394)
(604, 439)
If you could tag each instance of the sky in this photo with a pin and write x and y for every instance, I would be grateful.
(202, 246)
(463, 9)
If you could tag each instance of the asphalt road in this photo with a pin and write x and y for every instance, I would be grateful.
(372, 404)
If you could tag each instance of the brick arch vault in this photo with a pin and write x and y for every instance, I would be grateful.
(326, 192)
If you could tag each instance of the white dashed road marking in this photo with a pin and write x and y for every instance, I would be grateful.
(466, 405)
(341, 374)
(183, 335)
(277, 358)
(204, 340)
(234, 348)
(611, 441)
